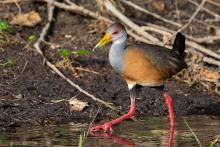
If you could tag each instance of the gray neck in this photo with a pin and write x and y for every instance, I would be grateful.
(116, 53)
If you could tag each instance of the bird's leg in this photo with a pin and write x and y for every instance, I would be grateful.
(107, 127)
(169, 103)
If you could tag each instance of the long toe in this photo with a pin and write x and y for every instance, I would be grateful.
(107, 127)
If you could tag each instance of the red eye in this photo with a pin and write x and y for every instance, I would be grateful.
(114, 33)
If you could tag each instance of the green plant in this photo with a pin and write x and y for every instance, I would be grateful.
(5, 26)
(31, 38)
(10, 62)
(197, 139)
(65, 53)
(81, 52)
(81, 139)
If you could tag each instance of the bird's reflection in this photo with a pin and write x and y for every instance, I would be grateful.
(129, 142)
(171, 136)
(115, 138)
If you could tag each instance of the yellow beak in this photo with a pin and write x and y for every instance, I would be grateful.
(103, 41)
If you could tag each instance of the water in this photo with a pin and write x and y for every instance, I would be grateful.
(146, 132)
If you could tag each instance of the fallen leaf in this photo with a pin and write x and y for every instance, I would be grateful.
(77, 105)
(159, 5)
(29, 19)
(217, 32)
(210, 75)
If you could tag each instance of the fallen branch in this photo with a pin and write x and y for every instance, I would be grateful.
(203, 49)
(214, 3)
(205, 9)
(12, 1)
(156, 30)
(151, 13)
(77, 9)
(193, 16)
(167, 32)
(211, 61)
(56, 70)
(206, 39)
(138, 37)
(87, 70)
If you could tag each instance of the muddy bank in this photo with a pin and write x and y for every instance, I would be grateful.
(28, 87)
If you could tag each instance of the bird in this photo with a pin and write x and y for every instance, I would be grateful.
(143, 65)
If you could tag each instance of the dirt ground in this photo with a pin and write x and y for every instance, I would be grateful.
(28, 88)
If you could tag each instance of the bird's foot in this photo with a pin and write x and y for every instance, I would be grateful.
(106, 127)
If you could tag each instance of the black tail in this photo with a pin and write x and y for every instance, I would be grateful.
(179, 44)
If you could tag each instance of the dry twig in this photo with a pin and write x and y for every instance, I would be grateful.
(90, 125)
(18, 6)
(214, 3)
(205, 9)
(88, 70)
(150, 13)
(211, 61)
(193, 16)
(77, 9)
(12, 1)
(167, 32)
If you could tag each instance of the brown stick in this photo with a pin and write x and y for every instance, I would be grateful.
(167, 32)
(193, 16)
(205, 9)
(12, 1)
(214, 3)
(150, 13)
(211, 61)
(77, 9)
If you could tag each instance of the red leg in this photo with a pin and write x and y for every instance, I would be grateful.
(169, 104)
(107, 127)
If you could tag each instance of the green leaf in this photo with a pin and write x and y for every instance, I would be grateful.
(64, 52)
(10, 62)
(82, 138)
(31, 38)
(81, 52)
(4, 26)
